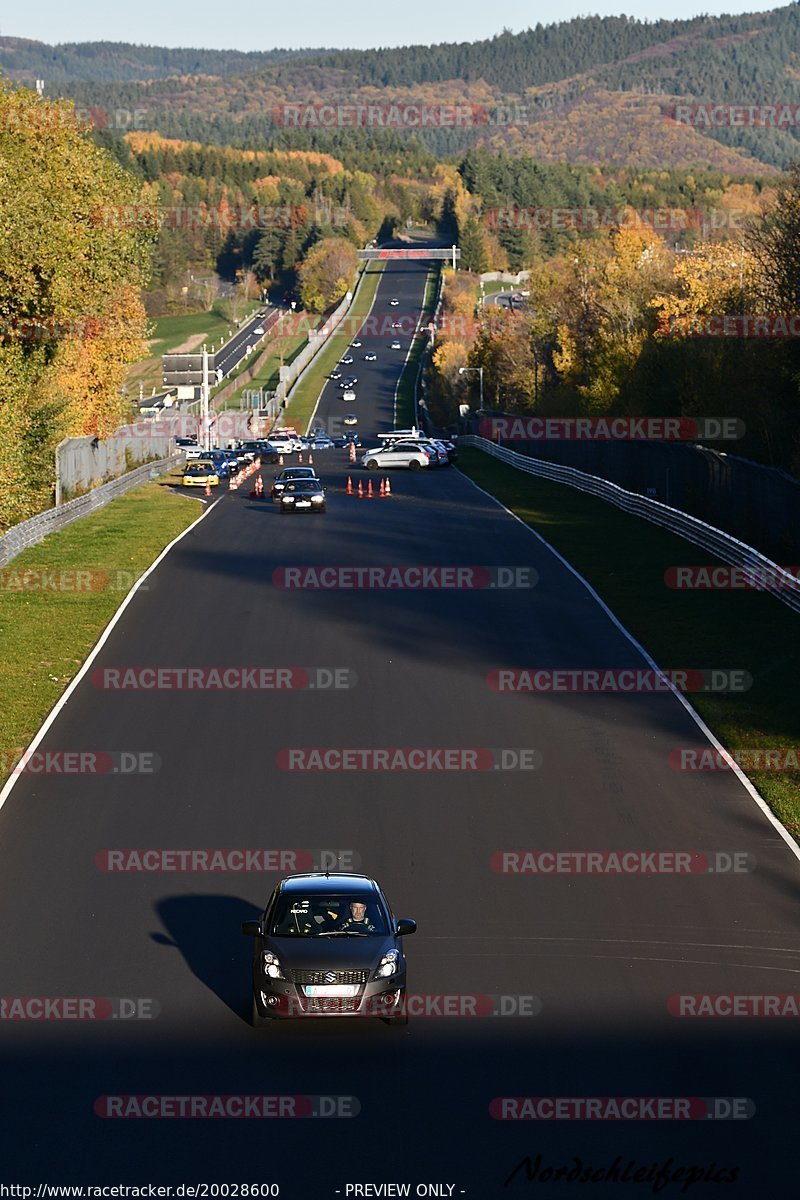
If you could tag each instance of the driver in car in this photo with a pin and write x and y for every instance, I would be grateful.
(357, 922)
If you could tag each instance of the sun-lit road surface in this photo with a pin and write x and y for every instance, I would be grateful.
(601, 954)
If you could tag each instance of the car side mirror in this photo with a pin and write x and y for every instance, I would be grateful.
(251, 928)
(404, 926)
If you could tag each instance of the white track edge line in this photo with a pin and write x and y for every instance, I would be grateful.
(746, 783)
(64, 697)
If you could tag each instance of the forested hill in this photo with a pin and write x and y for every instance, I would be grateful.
(21, 58)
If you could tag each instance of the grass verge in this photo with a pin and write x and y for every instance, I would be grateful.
(625, 559)
(407, 383)
(171, 332)
(56, 598)
(305, 394)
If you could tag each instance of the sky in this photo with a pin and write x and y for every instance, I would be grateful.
(316, 23)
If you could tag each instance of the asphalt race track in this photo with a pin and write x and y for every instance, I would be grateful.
(595, 957)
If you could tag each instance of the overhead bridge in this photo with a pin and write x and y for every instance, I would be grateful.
(453, 253)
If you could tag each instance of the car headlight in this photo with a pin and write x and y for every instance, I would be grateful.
(286, 499)
(316, 499)
(272, 966)
(388, 965)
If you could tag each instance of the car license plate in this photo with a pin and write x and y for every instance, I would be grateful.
(303, 503)
(331, 989)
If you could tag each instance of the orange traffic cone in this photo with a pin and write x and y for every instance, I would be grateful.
(310, 459)
(208, 488)
(280, 460)
(369, 490)
(349, 486)
(259, 486)
(382, 491)
(300, 457)
(388, 491)
(352, 452)
(231, 483)
(360, 490)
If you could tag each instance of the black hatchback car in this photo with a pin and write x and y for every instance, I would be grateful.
(328, 945)
(302, 495)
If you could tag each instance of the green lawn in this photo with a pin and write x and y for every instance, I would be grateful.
(624, 558)
(406, 386)
(304, 396)
(56, 598)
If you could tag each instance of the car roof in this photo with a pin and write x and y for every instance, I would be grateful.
(318, 881)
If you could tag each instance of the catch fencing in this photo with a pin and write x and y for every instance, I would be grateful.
(772, 578)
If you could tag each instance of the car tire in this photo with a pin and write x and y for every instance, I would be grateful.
(256, 1019)
(414, 465)
(371, 464)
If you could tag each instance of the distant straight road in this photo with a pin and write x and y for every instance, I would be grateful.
(601, 955)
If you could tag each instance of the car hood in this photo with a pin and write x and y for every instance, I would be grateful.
(334, 953)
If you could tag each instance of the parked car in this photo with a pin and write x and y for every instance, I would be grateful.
(402, 454)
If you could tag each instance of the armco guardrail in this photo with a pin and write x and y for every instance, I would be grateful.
(768, 575)
(29, 532)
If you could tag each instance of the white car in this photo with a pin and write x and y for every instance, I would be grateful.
(259, 329)
(284, 443)
(396, 346)
(348, 394)
(348, 358)
(370, 357)
(355, 344)
(394, 302)
(402, 454)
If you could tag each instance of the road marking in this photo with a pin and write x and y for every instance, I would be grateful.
(698, 720)
(50, 718)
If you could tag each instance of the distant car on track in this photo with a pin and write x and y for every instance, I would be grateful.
(348, 394)
(370, 357)
(396, 346)
(351, 419)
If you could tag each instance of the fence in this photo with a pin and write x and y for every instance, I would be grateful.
(83, 461)
(757, 504)
(773, 579)
(32, 531)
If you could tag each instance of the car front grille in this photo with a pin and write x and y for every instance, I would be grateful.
(330, 1004)
(301, 978)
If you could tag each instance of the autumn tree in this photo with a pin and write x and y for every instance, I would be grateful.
(326, 273)
(74, 255)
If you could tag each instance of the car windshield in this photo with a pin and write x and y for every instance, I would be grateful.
(198, 469)
(303, 485)
(335, 915)
(297, 473)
